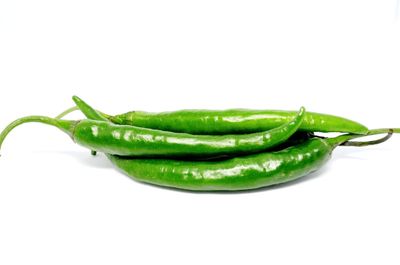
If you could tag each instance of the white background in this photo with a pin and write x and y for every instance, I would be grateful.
(59, 205)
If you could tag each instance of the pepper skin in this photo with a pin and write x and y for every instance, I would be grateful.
(234, 121)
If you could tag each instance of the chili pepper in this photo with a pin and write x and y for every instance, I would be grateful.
(233, 121)
(91, 113)
(134, 141)
(205, 146)
(241, 173)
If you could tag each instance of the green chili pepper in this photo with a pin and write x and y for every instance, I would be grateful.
(134, 141)
(241, 173)
(206, 146)
(91, 113)
(233, 121)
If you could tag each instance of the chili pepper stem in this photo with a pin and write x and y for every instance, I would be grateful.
(385, 130)
(64, 125)
(66, 112)
(75, 108)
(345, 140)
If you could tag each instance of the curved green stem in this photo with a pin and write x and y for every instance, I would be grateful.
(66, 112)
(384, 130)
(345, 140)
(366, 143)
(75, 108)
(64, 125)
